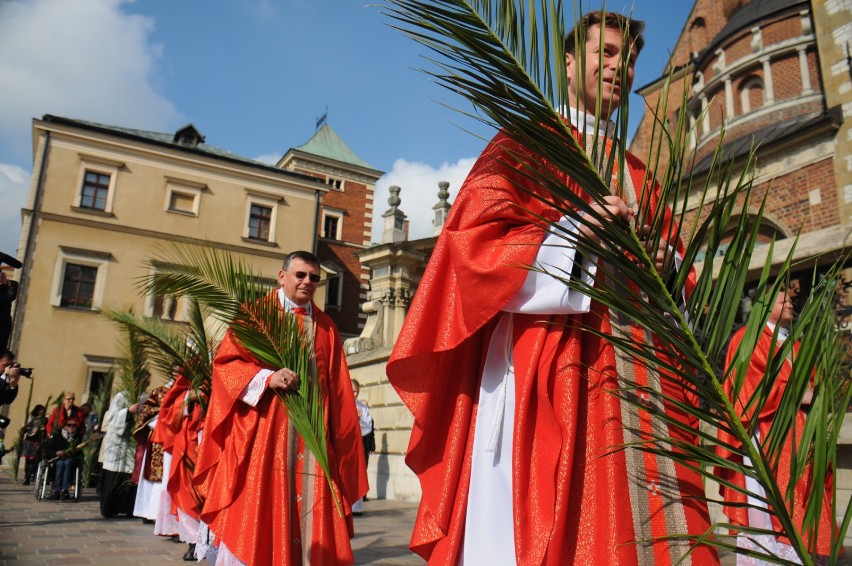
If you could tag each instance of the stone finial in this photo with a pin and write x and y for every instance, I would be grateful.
(394, 200)
(443, 191)
(442, 208)
(394, 219)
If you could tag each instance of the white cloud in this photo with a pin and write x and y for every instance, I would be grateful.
(419, 184)
(14, 182)
(84, 59)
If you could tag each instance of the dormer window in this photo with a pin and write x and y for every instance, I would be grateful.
(188, 136)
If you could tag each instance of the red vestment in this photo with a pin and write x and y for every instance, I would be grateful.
(571, 498)
(254, 500)
(184, 450)
(806, 482)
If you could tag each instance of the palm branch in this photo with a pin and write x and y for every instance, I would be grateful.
(168, 347)
(497, 55)
(132, 369)
(241, 299)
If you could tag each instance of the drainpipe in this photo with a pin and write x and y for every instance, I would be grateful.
(316, 220)
(29, 250)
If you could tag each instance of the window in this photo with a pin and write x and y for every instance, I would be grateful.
(166, 308)
(333, 285)
(751, 94)
(99, 375)
(333, 291)
(332, 224)
(95, 190)
(336, 184)
(329, 227)
(78, 286)
(79, 279)
(261, 213)
(96, 185)
(260, 220)
(183, 197)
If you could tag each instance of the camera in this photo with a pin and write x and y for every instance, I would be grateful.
(26, 372)
(4, 422)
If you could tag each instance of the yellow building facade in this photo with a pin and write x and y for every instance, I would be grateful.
(105, 200)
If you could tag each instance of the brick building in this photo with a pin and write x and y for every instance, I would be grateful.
(344, 224)
(773, 73)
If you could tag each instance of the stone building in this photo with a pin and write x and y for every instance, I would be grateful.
(344, 223)
(395, 266)
(103, 200)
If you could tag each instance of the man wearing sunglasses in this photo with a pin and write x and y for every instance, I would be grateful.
(267, 501)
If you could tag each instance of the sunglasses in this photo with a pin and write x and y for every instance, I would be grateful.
(314, 277)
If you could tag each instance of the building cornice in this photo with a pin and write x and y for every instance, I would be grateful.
(92, 139)
(274, 253)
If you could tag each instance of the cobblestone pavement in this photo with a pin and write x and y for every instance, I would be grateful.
(66, 532)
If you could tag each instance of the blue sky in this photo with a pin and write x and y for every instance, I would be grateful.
(253, 76)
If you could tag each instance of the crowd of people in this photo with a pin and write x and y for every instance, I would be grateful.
(219, 465)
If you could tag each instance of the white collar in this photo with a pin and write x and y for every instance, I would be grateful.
(585, 122)
(783, 332)
(289, 305)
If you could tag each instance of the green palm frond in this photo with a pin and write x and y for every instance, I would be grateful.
(132, 367)
(496, 55)
(169, 347)
(242, 299)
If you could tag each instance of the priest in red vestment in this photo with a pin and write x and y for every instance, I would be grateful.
(516, 428)
(186, 502)
(265, 498)
(766, 347)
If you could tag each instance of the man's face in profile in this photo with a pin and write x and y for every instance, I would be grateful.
(5, 362)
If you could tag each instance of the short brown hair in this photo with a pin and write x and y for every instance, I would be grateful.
(615, 20)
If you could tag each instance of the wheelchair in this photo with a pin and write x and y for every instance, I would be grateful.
(44, 479)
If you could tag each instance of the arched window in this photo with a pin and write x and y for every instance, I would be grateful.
(751, 94)
(766, 232)
(697, 36)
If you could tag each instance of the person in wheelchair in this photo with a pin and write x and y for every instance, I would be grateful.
(62, 446)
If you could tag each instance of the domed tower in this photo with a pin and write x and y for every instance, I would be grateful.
(344, 222)
(753, 72)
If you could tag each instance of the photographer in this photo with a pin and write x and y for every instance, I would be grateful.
(10, 377)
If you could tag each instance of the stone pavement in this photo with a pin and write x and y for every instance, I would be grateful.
(64, 532)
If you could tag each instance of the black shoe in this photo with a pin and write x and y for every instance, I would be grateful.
(27, 481)
(364, 499)
(147, 521)
(54, 495)
(64, 496)
(189, 555)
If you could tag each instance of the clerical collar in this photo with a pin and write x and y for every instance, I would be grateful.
(782, 332)
(586, 122)
(289, 305)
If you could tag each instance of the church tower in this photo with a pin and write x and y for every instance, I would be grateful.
(343, 223)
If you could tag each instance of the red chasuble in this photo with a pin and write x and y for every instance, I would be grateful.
(806, 482)
(571, 497)
(184, 451)
(257, 502)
